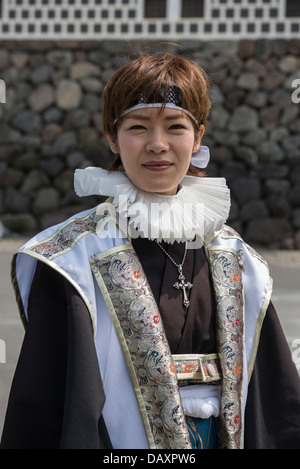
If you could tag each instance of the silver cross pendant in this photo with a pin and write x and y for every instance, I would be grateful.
(183, 285)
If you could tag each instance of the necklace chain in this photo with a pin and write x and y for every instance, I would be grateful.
(181, 283)
(167, 254)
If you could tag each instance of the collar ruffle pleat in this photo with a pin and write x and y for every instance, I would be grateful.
(200, 207)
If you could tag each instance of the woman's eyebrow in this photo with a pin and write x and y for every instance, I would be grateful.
(174, 116)
(137, 116)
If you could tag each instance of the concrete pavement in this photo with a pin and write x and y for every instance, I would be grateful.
(284, 266)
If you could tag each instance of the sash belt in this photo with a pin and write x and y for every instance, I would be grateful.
(203, 368)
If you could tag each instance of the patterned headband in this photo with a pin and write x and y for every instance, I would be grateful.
(173, 101)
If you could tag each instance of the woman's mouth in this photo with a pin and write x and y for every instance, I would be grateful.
(158, 165)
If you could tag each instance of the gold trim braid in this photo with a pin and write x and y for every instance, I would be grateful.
(140, 331)
(228, 286)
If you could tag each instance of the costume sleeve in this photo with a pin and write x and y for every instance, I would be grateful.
(272, 419)
(56, 396)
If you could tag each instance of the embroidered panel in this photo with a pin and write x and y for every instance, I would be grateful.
(229, 233)
(227, 279)
(141, 334)
(68, 235)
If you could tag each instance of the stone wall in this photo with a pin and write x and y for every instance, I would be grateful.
(51, 124)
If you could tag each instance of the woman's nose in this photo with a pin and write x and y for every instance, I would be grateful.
(157, 142)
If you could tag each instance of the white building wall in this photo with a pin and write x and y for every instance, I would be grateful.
(124, 19)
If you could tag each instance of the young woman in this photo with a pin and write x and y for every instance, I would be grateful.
(148, 320)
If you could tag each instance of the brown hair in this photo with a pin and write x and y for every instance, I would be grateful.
(146, 76)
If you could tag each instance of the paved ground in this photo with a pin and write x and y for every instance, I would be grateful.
(285, 269)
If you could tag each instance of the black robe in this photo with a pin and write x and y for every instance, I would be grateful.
(57, 396)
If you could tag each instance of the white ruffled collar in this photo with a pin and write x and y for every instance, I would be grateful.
(200, 207)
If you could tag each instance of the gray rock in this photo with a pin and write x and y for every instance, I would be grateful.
(65, 182)
(42, 74)
(233, 170)
(26, 161)
(47, 199)
(273, 80)
(64, 143)
(278, 134)
(15, 202)
(83, 69)
(257, 67)
(27, 121)
(244, 119)
(42, 98)
(92, 85)
(74, 159)
(59, 58)
(289, 64)
(290, 114)
(245, 189)
(219, 117)
(254, 209)
(68, 95)
(246, 154)
(281, 98)
(91, 102)
(52, 166)
(248, 81)
(278, 206)
(34, 180)
(78, 119)
(257, 99)
(254, 137)
(235, 98)
(270, 152)
(270, 231)
(295, 126)
(221, 154)
(51, 132)
(277, 187)
(291, 146)
(269, 117)
(12, 177)
(53, 115)
(271, 171)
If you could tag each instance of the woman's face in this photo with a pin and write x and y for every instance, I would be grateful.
(156, 148)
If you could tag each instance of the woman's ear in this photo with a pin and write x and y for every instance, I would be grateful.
(198, 138)
(113, 143)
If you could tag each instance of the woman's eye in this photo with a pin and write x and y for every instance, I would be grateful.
(137, 127)
(177, 126)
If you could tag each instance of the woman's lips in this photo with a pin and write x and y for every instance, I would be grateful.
(157, 165)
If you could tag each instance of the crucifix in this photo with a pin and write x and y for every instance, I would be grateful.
(183, 285)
